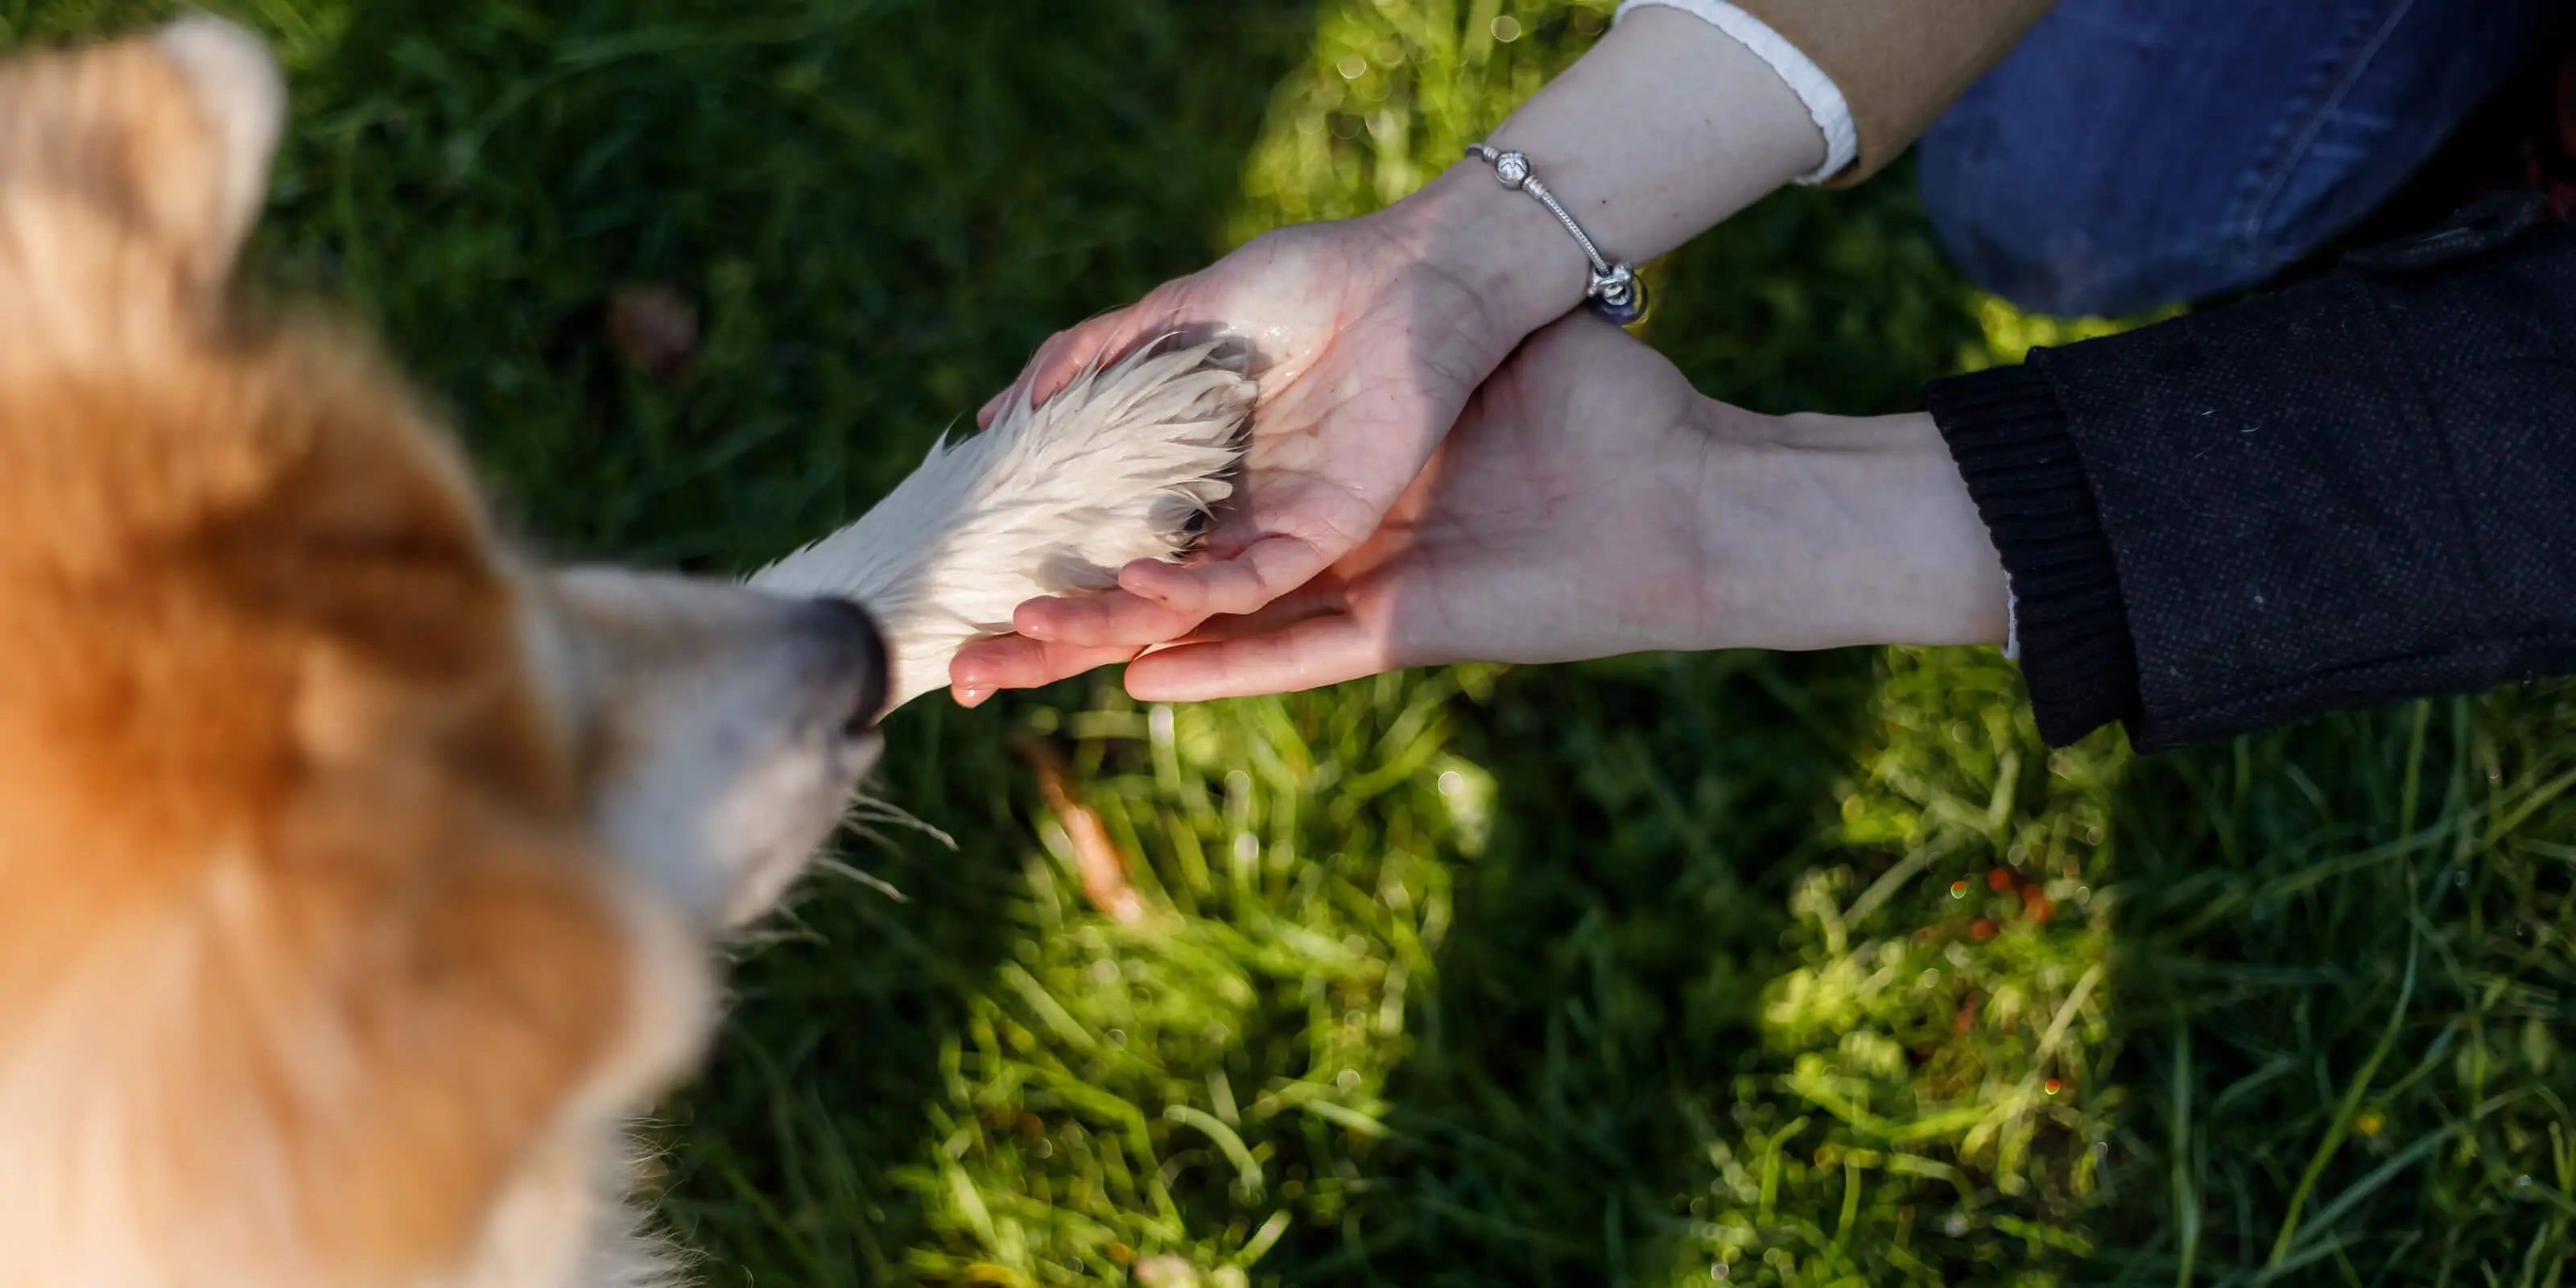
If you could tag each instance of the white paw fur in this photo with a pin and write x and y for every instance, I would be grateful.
(1052, 500)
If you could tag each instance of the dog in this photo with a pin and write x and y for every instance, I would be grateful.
(361, 875)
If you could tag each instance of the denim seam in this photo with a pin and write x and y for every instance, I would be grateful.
(2300, 129)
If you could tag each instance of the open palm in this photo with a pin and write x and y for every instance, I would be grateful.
(1362, 355)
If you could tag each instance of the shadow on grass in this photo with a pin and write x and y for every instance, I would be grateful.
(1600, 991)
(2343, 978)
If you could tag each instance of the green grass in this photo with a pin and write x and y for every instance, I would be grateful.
(1652, 972)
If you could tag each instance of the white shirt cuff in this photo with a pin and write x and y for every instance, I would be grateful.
(1823, 99)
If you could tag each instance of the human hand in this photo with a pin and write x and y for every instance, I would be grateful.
(1368, 335)
(1591, 503)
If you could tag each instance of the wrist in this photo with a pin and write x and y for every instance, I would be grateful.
(1664, 128)
(1827, 531)
(1505, 251)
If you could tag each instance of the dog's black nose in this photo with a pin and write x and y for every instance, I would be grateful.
(858, 647)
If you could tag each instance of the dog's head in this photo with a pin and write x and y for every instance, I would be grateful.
(356, 872)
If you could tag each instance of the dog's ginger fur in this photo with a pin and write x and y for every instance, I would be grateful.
(296, 905)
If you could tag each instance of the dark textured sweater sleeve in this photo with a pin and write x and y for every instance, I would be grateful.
(2357, 490)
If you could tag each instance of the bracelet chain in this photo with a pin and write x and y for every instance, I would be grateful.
(1616, 292)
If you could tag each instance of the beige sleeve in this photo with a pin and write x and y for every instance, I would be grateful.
(1898, 63)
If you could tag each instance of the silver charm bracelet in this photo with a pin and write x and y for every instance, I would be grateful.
(1616, 292)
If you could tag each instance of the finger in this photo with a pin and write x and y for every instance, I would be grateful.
(986, 667)
(1264, 571)
(1093, 621)
(1096, 341)
(1044, 359)
(1325, 596)
(1049, 355)
(1310, 654)
(992, 409)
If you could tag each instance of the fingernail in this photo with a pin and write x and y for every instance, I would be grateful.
(970, 696)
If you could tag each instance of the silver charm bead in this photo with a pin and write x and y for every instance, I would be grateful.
(1512, 168)
(1619, 295)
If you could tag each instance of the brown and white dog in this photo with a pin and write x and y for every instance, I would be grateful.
(359, 876)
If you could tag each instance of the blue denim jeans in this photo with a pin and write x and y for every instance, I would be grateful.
(2134, 153)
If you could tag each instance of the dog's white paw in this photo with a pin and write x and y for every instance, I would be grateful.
(1052, 500)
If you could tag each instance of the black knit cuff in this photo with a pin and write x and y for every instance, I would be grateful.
(2009, 436)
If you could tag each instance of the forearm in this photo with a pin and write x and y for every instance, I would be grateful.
(1663, 129)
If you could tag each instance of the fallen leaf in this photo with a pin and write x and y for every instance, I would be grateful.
(1102, 866)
